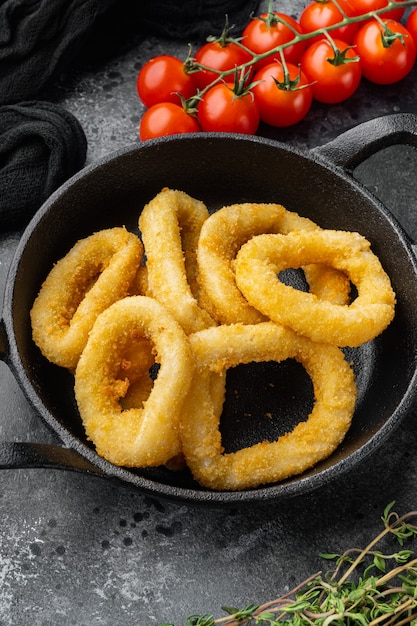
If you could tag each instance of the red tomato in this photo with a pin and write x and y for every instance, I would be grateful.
(166, 118)
(324, 13)
(283, 101)
(381, 64)
(218, 56)
(365, 6)
(332, 82)
(162, 78)
(222, 110)
(411, 25)
(268, 31)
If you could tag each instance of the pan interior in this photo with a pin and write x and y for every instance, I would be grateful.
(220, 171)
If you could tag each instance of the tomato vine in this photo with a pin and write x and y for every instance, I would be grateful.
(219, 86)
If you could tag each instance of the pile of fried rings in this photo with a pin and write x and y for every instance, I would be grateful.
(190, 296)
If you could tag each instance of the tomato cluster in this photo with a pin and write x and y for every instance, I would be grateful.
(277, 68)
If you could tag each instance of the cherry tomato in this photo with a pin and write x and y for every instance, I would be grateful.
(333, 80)
(411, 25)
(283, 98)
(222, 110)
(365, 6)
(166, 118)
(385, 64)
(218, 56)
(162, 78)
(324, 13)
(268, 31)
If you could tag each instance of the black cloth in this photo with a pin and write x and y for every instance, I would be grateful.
(41, 146)
(195, 18)
(39, 39)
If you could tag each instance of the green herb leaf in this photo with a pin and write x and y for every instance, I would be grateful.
(368, 587)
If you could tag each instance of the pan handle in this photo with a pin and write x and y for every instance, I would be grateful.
(25, 455)
(356, 144)
(4, 344)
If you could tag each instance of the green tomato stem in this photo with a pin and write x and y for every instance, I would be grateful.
(298, 38)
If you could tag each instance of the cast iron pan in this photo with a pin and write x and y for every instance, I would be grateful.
(222, 169)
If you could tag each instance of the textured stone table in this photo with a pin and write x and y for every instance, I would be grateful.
(79, 550)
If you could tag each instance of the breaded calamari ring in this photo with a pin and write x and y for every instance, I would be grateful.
(261, 259)
(139, 286)
(222, 347)
(135, 367)
(97, 271)
(170, 225)
(221, 237)
(324, 281)
(148, 434)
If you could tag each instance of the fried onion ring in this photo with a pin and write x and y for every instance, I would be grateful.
(222, 347)
(170, 225)
(221, 237)
(97, 271)
(148, 434)
(261, 259)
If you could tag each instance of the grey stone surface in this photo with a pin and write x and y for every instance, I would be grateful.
(77, 550)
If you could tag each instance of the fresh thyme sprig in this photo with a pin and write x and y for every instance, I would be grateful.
(366, 588)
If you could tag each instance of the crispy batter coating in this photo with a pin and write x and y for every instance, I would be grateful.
(116, 357)
(222, 347)
(222, 236)
(97, 271)
(170, 225)
(261, 259)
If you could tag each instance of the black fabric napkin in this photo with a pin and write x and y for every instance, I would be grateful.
(41, 146)
(39, 39)
(199, 18)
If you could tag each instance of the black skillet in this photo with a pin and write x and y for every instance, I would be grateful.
(221, 169)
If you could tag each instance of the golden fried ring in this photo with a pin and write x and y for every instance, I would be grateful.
(146, 435)
(221, 347)
(139, 286)
(170, 225)
(324, 281)
(222, 235)
(261, 259)
(97, 271)
(135, 367)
